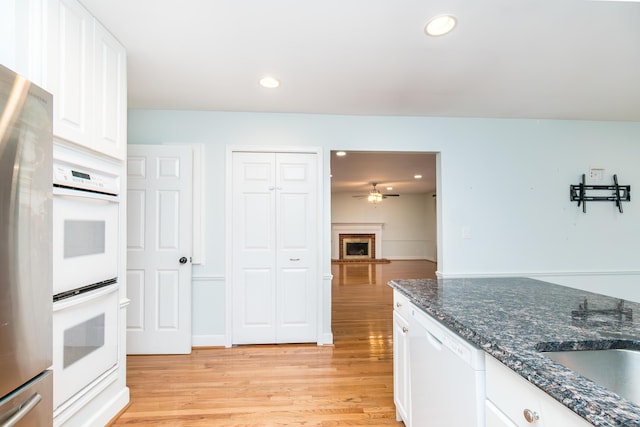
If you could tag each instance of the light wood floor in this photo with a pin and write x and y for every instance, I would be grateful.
(347, 384)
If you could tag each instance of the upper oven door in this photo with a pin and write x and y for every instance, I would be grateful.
(85, 239)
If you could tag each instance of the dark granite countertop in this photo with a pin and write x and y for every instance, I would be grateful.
(513, 319)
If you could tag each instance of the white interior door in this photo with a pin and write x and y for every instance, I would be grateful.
(296, 248)
(274, 248)
(159, 236)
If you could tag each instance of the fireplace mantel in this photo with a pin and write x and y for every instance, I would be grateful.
(338, 228)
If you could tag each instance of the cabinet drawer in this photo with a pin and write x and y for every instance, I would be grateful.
(513, 395)
(401, 304)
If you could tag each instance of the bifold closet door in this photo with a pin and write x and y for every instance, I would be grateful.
(275, 252)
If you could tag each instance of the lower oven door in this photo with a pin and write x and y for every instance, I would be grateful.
(85, 238)
(85, 337)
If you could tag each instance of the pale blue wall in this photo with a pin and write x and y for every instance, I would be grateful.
(505, 181)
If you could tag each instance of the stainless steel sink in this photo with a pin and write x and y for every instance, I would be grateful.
(616, 369)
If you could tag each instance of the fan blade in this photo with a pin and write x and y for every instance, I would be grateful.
(390, 195)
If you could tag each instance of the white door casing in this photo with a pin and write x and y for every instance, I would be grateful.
(159, 242)
(274, 247)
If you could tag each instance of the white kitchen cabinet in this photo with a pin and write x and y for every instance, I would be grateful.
(510, 397)
(495, 417)
(22, 38)
(87, 76)
(71, 70)
(401, 373)
(110, 94)
(275, 247)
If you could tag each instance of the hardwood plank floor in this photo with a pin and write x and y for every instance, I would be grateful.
(347, 384)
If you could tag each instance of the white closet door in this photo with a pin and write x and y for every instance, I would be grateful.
(254, 264)
(274, 248)
(296, 230)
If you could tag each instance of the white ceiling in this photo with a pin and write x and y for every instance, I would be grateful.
(542, 59)
(556, 59)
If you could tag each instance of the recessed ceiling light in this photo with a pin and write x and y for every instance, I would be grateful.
(389, 188)
(341, 153)
(269, 82)
(440, 25)
(417, 176)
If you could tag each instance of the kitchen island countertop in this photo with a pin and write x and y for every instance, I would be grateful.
(514, 319)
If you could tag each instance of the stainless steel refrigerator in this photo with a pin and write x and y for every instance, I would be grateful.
(25, 253)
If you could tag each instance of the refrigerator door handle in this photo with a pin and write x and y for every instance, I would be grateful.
(23, 410)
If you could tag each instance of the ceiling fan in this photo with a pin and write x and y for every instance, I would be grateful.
(375, 196)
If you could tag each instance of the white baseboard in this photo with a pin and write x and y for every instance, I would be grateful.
(208, 340)
(219, 340)
(110, 410)
(327, 339)
(410, 258)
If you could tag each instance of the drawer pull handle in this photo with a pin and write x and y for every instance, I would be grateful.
(405, 329)
(530, 416)
(23, 410)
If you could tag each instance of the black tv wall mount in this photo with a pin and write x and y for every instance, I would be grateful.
(580, 193)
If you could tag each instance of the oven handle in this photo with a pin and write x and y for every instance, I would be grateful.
(84, 298)
(66, 192)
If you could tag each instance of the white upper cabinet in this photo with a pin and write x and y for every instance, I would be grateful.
(110, 94)
(71, 70)
(23, 38)
(87, 76)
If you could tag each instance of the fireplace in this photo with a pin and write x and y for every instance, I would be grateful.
(357, 246)
(340, 230)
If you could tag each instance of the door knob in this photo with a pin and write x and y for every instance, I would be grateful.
(183, 260)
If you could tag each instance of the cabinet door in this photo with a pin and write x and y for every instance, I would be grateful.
(110, 90)
(495, 417)
(71, 71)
(401, 385)
(22, 38)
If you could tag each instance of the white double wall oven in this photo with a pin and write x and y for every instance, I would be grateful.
(86, 198)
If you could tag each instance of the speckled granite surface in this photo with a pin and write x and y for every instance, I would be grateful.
(514, 318)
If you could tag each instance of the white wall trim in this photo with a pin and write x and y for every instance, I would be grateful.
(198, 195)
(539, 274)
(207, 278)
(410, 257)
(326, 339)
(218, 340)
(109, 411)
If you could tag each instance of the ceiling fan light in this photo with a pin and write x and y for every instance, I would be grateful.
(374, 197)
